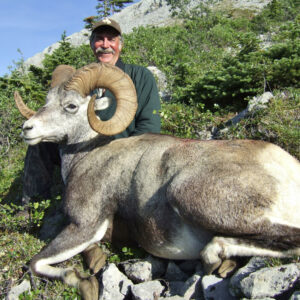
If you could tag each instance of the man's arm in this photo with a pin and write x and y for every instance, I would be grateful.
(147, 117)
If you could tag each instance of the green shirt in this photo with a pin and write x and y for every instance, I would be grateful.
(147, 117)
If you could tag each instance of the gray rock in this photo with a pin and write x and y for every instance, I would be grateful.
(162, 83)
(253, 5)
(18, 290)
(258, 103)
(216, 288)
(192, 288)
(265, 298)
(158, 266)
(171, 298)
(205, 134)
(137, 270)
(295, 296)
(176, 288)
(270, 282)
(188, 266)
(147, 290)
(114, 285)
(255, 104)
(174, 273)
(199, 269)
(254, 264)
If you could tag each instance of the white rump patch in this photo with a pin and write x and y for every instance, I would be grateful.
(276, 220)
(286, 171)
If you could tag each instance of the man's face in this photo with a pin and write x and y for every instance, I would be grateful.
(106, 45)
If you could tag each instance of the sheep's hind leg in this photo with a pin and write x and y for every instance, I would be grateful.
(217, 253)
(71, 241)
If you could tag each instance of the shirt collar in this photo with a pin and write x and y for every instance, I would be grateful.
(120, 64)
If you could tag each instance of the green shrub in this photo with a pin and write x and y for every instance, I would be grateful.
(66, 54)
(276, 12)
(214, 62)
(279, 123)
(184, 120)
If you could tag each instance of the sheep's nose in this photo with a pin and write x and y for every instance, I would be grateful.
(27, 128)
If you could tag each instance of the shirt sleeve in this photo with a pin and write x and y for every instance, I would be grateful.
(147, 116)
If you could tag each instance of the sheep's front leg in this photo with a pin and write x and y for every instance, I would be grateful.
(72, 240)
(94, 258)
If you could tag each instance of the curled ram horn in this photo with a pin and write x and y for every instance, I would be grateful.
(22, 107)
(98, 75)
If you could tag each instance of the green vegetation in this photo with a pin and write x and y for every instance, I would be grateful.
(279, 123)
(215, 61)
(218, 59)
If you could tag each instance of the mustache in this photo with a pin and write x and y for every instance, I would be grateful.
(105, 51)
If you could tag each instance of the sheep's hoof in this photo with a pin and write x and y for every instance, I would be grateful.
(89, 288)
(94, 258)
(209, 268)
(71, 277)
(227, 267)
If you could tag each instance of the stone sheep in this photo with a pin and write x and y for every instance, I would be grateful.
(179, 198)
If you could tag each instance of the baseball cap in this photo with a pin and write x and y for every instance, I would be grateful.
(107, 22)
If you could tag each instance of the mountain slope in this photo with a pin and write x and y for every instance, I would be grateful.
(143, 13)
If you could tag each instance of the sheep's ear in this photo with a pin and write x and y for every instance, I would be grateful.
(102, 103)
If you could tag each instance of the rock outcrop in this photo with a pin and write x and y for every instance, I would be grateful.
(143, 13)
(138, 280)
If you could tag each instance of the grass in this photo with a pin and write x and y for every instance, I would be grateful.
(19, 240)
(279, 123)
(20, 237)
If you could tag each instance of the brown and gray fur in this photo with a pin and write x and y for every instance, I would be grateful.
(180, 198)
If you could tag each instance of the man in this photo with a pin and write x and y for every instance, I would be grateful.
(106, 42)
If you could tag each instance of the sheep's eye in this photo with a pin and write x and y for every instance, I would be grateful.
(71, 108)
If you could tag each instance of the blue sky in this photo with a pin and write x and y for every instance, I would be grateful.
(33, 25)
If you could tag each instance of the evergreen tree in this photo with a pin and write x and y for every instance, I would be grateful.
(106, 8)
(90, 21)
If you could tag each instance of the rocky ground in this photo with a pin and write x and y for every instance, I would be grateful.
(157, 279)
(154, 278)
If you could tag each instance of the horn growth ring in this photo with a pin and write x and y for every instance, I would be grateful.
(98, 75)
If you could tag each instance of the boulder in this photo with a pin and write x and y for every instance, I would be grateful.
(114, 285)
